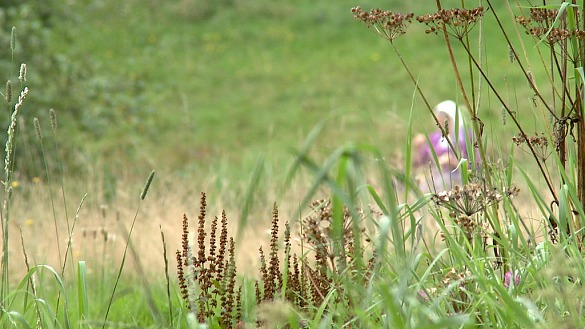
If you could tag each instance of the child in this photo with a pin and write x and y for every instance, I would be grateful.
(445, 174)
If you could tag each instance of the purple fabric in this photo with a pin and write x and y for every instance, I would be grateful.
(508, 279)
(441, 147)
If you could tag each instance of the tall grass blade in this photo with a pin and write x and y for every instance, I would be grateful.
(149, 299)
(249, 198)
(82, 292)
(319, 315)
(16, 319)
(49, 314)
(321, 176)
(303, 153)
(48, 176)
(408, 165)
(167, 279)
(142, 196)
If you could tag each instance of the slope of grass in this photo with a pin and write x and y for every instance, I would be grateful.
(251, 77)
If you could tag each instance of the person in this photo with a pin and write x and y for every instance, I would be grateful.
(445, 174)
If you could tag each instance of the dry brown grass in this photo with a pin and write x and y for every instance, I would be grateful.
(99, 239)
(98, 228)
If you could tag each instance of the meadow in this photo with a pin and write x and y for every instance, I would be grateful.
(296, 119)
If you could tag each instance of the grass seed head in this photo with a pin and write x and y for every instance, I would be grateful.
(53, 117)
(38, 129)
(147, 185)
(13, 39)
(22, 73)
(8, 93)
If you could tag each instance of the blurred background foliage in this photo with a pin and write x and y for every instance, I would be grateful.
(189, 84)
(67, 79)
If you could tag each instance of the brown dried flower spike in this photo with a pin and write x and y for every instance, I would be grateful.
(387, 24)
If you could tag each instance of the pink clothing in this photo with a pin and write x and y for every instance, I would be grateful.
(444, 176)
(441, 148)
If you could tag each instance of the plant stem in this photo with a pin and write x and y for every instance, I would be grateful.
(522, 68)
(477, 124)
(429, 107)
(511, 114)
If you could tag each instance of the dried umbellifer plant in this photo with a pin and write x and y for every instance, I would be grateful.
(558, 34)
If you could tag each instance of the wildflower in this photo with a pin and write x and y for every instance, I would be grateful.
(422, 294)
(508, 279)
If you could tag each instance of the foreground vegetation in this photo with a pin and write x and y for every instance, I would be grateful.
(365, 247)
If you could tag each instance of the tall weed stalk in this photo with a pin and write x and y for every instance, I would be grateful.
(491, 246)
(13, 110)
(556, 32)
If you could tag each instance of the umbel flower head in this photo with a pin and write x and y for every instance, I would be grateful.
(459, 21)
(541, 24)
(469, 199)
(387, 24)
(538, 142)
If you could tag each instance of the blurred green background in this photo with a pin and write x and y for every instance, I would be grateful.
(190, 84)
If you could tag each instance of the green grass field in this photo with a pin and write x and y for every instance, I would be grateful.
(225, 98)
(254, 78)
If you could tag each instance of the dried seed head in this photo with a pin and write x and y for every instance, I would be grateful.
(8, 94)
(457, 21)
(11, 132)
(538, 143)
(530, 78)
(147, 186)
(13, 39)
(103, 209)
(467, 200)
(38, 129)
(22, 74)
(387, 24)
(446, 127)
(53, 117)
(511, 56)
(512, 191)
(541, 25)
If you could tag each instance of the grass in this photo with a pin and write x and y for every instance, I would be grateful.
(222, 95)
(274, 72)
